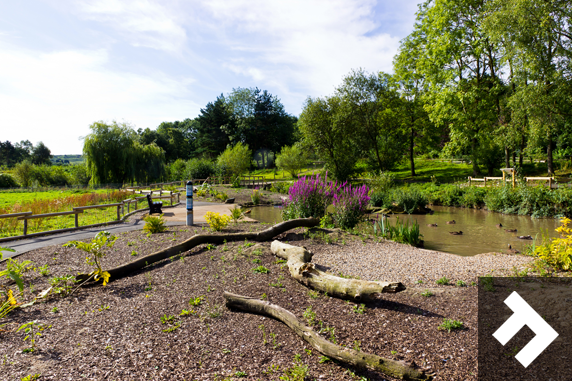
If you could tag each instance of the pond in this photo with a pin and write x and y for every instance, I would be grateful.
(480, 233)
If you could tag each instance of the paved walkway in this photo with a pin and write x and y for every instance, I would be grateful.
(173, 216)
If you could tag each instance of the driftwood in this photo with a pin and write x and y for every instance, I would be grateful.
(199, 239)
(393, 368)
(306, 273)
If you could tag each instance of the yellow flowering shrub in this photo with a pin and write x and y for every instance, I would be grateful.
(216, 221)
(558, 252)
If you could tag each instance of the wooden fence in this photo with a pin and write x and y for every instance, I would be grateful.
(26, 216)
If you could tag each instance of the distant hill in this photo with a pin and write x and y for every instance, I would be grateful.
(67, 159)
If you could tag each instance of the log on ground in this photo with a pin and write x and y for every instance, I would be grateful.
(264, 235)
(306, 273)
(389, 367)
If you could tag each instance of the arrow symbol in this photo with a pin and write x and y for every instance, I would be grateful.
(523, 315)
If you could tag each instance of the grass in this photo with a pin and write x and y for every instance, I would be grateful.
(449, 325)
(59, 201)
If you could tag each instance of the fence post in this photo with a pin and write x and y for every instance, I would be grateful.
(25, 226)
(118, 212)
(76, 220)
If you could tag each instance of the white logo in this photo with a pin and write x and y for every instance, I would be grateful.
(523, 315)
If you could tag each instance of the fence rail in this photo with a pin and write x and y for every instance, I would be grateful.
(65, 224)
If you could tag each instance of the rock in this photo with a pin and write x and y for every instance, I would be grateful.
(229, 201)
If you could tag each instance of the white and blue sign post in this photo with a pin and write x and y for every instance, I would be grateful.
(190, 203)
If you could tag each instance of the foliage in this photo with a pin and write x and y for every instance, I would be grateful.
(197, 168)
(409, 199)
(450, 324)
(400, 232)
(309, 197)
(32, 329)
(154, 224)
(281, 187)
(62, 285)
(298, 372)
(7, 306)
(260, 270)
(236, 213)
(23, 172)
(350, 205)
(292, 159)
(255, 196)
(216, 221)
(7, 181)
(94, 249)
(558, 252)
(235, 160)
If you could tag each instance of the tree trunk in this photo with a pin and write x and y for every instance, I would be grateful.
(392, 368)
(476, 169)
(306, 273)
(549, 161)
(411, 156)
(265, 235)
(514, 159)
(521, 153)
(506, 157)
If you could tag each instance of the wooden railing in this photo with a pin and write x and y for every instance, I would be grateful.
(252, 180)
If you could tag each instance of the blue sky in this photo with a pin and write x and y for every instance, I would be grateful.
(66, 64)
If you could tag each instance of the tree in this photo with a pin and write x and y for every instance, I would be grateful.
(23, 172)
(371, 105)
(41, 154)
(292, 159)
(329, 132)
(214, 121)
(235, 160)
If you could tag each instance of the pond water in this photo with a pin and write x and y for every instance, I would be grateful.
(480, 233)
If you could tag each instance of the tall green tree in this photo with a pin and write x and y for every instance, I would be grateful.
(41, 154)
(461, 66)
(329, 131)
(212, 126)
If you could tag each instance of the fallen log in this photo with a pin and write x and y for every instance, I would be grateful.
(306, 273)
(393, 368)
(264, 235)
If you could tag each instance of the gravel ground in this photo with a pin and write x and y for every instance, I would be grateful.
(116, 332)
(388, 260)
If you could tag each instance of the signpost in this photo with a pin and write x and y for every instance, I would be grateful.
(190, 203)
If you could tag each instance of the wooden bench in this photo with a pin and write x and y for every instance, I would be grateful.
(154, 206)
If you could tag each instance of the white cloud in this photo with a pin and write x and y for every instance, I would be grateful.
(142, 22)
(54, 97)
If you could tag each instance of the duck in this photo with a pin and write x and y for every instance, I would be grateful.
(510, 230)
(451, 222)
(498, 226)
(524, 237)
(248, 211)
(511, 250)
(456, 233)
(432, 225)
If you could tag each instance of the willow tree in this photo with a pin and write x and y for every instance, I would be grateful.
(113, 155)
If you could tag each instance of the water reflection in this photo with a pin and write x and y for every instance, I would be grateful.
(480, 233)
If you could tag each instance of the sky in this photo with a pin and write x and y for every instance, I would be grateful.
(65, 64)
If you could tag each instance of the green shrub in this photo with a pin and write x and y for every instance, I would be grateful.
(235, 160)
(401, 232)
(7, 181)
(154, 224)
(380, 199)
(198, 168)
(409, 198)
(292, 159)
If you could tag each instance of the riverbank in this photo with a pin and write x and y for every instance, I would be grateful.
(133, 328)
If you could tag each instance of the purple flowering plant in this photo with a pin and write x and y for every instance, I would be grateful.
(310, 196)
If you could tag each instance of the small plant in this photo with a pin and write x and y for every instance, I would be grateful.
(236, 213)
(393, 353)
(15, 270)
(419, 281)
(216, 221)
(264, 296)
(62, 285)
(275, 344)
(324, 359)
(167, 319)
(32, 329)
(247, 244)
(133, 253)
(359, 309)
(314, 294)
(449, 325)
(94, 249)
(298, 372)
(310, 316)
(357, 344)
(185, 312)
(427, 293)
(443, 281)
(154, 224)
(255, 197)
(44, 271)
(256, 261)
(150, 281)
(240, 374)
(260, 270)
(196, 301)
(31, 377)
(461, 283)
(173, 328)
(210, 246)
(55, 310)
(261, 327)
(278, 283)
(488, 283)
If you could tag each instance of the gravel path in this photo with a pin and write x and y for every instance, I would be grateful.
(388, 261)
